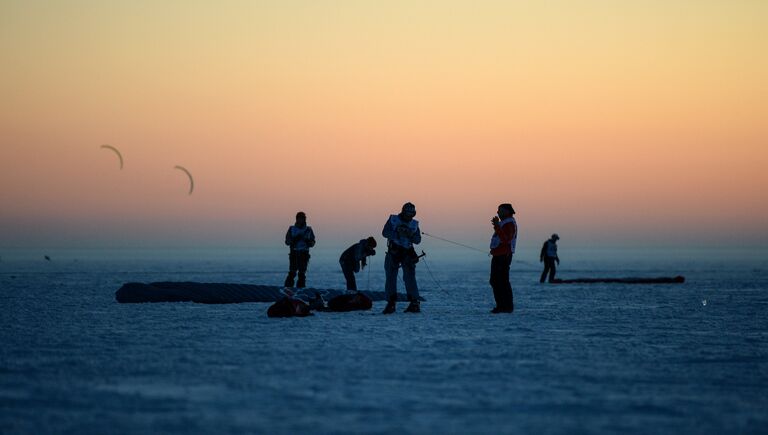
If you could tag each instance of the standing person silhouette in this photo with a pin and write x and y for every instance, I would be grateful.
(402, 232)
(549, 257)
(503, 244)
(300, 238)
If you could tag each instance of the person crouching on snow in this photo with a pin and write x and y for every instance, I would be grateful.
(353, 259)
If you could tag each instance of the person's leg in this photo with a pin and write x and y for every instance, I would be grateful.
(494, 281)
(303, 262)
(292, 266)
(289, 279)
(409, 277)
(390, 283)
(390, 276)
(509, 304)
(552, 269)
(349, 275)
(546, 270)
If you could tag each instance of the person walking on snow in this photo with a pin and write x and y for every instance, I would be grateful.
(549, 257)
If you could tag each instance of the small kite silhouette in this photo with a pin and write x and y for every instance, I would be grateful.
(191, 180)
(119, 156)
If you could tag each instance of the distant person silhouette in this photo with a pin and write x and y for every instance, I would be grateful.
(353, 259)
(402, 232)
(300, 238)
(549, 257)
(503, 244)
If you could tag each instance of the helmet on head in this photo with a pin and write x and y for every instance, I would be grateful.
(555, 237)
(409, 209)
(371, 242)
(301, 215)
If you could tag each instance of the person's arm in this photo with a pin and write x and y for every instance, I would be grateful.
(416, 238)
(310, 238)
(543, 252)
(367, 252)
(288, 238)
(388, 232)
(359, 251)
(359, 254)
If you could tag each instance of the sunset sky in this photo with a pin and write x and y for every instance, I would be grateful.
(610, 122)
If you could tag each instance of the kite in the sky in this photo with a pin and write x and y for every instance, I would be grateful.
(119, 156)
(191, 180)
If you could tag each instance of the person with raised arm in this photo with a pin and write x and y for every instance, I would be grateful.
(503, 244)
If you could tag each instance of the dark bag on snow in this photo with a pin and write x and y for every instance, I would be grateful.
(288, 307)
(350, 302)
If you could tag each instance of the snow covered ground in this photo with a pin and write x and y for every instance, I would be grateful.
(577, 358)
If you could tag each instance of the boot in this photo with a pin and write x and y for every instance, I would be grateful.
(289, 280)
(302, 282)
(390, 308)
(413, 307)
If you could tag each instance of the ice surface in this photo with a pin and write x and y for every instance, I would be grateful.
(579, 358)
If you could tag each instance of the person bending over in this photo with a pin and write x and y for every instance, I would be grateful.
(353, 259)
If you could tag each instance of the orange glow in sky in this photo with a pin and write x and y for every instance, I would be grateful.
(608, 122)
